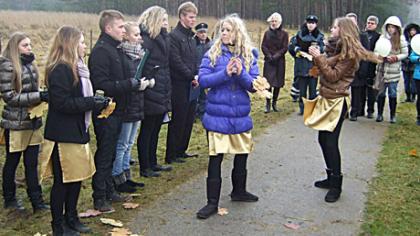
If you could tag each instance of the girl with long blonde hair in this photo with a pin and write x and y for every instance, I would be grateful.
(228, 70)
(337, 69)
(67, 128)
(19, 87)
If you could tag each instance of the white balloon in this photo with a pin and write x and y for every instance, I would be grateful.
(415, 44)
(383, 47)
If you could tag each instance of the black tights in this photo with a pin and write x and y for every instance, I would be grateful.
(275, 91)
(30, 161)
(215, 162)
(62, 193)
(329, 145)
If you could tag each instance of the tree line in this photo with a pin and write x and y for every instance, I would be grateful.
(293, 11)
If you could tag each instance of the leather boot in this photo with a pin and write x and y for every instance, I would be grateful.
(381, 104)
(213, 196)
(239, 192)
(276, 92)
(393, 109)
(274, 105)
(333, 194)
(73, 222)
(324, 183)
(267, 106)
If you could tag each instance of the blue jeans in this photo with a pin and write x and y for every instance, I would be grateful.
(124, 145)
(304, 83)
(392, 90)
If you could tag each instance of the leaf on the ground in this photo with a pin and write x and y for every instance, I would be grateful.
(120, 232)
(135, 195)
(112, 222)
(89, 213)
(38, 111)
(412, 153)
(130, 205)
(291, 226)
(39, 234)
(222, 211)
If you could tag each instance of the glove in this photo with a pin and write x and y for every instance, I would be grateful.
(144, 83)
(135, 84)
(152, 83)
(100, 103)
(44, 96)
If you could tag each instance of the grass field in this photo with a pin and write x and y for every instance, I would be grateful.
(40, 26)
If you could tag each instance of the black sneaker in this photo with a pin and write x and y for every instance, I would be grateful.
(125, 188)
(134, 184)
(102, 205)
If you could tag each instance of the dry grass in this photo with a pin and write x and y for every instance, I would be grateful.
(41, 26)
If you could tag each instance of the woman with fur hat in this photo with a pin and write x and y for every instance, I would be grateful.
(391, 67)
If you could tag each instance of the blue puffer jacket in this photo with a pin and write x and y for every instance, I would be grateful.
(415, 59)
(228, 104)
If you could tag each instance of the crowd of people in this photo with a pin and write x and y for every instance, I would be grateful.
(153, 77)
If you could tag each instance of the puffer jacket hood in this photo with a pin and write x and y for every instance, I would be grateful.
(408, 28)
(392, 20)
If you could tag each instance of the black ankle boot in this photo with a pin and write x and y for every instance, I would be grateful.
(324, 183)
(57, 229)
(333, 194)
(73, 222)
(381, 104)
(213, 195)
(37, 201)
(275, 106)
(267, 105)
(239, 192)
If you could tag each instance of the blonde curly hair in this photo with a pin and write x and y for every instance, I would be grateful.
(151, 20)
(242, 42)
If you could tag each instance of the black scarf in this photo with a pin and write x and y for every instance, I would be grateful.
(27, 59)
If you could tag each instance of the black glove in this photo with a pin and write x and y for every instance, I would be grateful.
(44, 96)
(135, 84)
(100, 103)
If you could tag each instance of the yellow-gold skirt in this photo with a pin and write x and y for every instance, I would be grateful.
(230, 143)
(19, 140)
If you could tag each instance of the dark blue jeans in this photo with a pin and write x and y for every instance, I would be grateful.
(304, 84)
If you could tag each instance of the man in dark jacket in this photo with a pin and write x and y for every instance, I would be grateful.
(373, 36)
(108, 69)
(183, 70)
(358, 86)
(203, 45)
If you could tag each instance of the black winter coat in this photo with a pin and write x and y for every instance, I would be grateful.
(135, 108)
(67, 106)
(373, 36)
(108, 68)
(182, 62)
(360, 78)
(202, 48)
(157, 100)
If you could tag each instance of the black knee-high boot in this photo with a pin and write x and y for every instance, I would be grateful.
(276, 92)
(381, 104)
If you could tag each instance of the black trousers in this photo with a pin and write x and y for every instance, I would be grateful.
(63, 195)
(107, 132)
(30, 161)
(215, 162)
(148, 140)
(417, 81)
(180, 127)
(329, 145)
(358, 98)
(371, 96)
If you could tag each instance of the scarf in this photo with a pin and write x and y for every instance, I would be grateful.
(132, 50)
(87, 89)
(27, 59)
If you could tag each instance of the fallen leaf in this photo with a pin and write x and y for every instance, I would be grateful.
(39, 234)
(291, 226)
(89, 213)
(222, 211)
(135, 195)
(38, 111)
(130, 205)
(412, 153)
(112, 222)
(120, 232)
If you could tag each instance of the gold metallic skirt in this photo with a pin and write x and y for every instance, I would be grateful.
(230, 143)
(76, 161)
(19, 140)
(322, 113)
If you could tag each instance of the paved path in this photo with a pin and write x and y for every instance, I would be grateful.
(282, 169)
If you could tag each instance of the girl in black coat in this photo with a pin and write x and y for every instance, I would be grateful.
(66, 130)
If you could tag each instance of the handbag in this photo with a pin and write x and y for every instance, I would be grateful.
(379, 82)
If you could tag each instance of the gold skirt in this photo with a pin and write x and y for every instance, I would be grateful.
(76, 161)
(322, 113)
(19, 140)
(230, 143)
